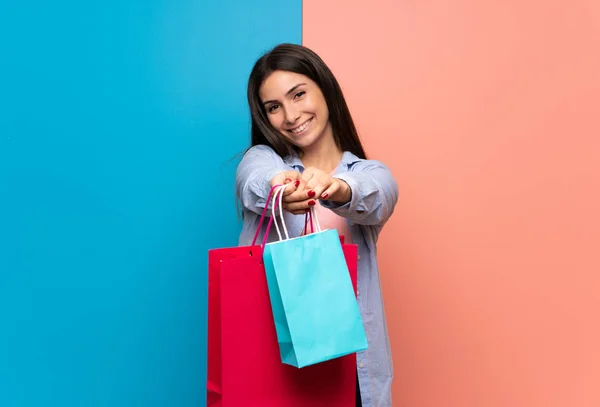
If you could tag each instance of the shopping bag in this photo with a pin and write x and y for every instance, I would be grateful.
(313, 300)
(244, 365)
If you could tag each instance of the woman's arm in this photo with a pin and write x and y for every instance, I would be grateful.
(254, 174)
(374, 194)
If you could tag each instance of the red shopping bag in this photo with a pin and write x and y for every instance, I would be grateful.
(244, 365)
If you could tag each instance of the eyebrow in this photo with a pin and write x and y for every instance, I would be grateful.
(288, 92)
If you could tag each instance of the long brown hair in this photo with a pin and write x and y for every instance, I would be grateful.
(300, 60)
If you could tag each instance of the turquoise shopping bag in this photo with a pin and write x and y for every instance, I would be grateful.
(313, 302)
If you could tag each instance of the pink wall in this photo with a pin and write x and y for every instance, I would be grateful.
(489, 115)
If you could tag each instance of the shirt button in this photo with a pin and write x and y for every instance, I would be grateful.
(362, 365)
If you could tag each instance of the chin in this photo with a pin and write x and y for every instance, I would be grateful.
(304, 141)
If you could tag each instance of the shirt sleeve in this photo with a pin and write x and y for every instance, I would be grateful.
(253, 177)
(374, 194)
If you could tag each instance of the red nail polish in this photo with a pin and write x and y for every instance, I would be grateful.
(311, 194)
(325, 195)
(297, 183)
(311, 202)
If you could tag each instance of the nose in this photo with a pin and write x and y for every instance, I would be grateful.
(292, 114)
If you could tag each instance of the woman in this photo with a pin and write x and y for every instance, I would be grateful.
(303, 134)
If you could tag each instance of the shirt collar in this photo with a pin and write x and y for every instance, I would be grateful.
(347, 160)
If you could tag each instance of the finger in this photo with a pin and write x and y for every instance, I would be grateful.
(299, 206)
(292, 187)
(296, 196)
(286, 188)
(278, 179)
(318, 191)
(306, 176)
(320, 177)
(285, 177)
(318, 184)
(295, 206)
(310, 184)
(330, 191)
(292, 175)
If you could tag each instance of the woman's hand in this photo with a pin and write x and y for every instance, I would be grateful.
(314, 184)
(285, 178)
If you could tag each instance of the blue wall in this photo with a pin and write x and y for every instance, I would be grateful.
(117, 123)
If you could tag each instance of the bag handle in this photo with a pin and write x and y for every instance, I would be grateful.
(313, 214)
(264, 213)
(276, 193)
(280, 191)
(310, 215)
(307, 218)
(276, 203)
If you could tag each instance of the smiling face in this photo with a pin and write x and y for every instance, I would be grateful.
(296, 108)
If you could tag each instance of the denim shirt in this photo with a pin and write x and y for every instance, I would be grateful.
(374, 196)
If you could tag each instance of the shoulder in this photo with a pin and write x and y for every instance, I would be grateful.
(370, 164)
(371, 170)
(261, 151)
(356, 164)
(260, 154)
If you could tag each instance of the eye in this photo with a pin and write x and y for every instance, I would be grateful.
(300, 94)
(273, 108)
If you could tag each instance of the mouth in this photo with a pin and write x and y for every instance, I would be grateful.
(299, 130)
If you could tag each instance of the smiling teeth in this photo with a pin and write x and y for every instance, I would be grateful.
(301, 128)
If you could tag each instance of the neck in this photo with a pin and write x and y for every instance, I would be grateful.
(324, 154)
